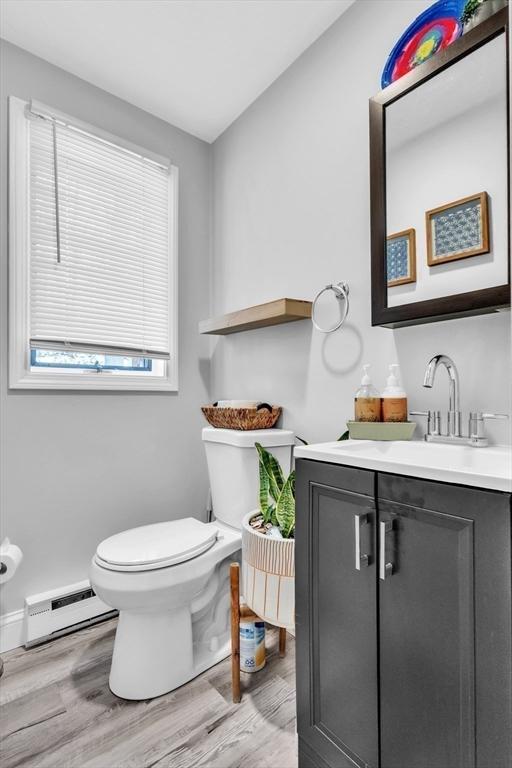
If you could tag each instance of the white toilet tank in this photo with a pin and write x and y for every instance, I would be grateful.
(233, 467)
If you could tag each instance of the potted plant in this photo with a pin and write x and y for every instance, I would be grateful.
(476, 11)
(268, 546)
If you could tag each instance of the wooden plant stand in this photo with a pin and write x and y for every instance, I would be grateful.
(234, 574)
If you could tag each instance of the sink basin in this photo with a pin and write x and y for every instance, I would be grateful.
(489, 467)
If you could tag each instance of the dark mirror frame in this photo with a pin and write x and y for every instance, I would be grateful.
(458, 305)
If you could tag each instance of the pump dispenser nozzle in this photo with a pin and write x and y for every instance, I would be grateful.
(366, 381)
(394, 375)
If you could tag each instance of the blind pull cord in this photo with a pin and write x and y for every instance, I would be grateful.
(56, 181)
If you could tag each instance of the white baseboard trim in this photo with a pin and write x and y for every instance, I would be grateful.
(12, 630)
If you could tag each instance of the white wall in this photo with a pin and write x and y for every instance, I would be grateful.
(291, 213)
(77, 467)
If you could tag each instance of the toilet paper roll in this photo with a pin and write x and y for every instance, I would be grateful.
(10, 557)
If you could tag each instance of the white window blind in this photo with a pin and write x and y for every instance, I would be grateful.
(99, 245)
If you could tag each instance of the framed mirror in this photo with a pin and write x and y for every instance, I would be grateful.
(439, 165)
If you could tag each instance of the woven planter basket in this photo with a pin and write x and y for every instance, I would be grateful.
(241, 418)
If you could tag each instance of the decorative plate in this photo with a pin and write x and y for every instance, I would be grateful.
(434, 29)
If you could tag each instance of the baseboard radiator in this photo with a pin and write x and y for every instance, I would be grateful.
(61, 611)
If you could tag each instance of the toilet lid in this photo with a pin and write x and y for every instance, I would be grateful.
(156, 546)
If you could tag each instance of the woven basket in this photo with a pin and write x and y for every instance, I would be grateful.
(241, 418)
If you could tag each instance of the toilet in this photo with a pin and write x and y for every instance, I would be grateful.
(170, 581)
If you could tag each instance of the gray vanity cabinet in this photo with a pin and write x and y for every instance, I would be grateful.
(336, 615)
(405, 662)
(444, 626)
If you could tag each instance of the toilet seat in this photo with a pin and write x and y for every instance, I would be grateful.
(159, 545)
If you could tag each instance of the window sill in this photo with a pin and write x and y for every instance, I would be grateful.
(93, 382)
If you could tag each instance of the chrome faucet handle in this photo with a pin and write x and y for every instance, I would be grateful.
(433, 420)
(476, 427)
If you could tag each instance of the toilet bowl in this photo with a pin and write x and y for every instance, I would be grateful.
(170, 580)
(154, 646)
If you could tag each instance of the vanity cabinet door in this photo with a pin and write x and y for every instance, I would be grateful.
(336, 617)
(445, 618)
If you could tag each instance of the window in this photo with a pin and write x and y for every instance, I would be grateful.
(93, 257)
(47, 358)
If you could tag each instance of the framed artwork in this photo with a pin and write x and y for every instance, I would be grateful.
(401, 257)
(458, 230)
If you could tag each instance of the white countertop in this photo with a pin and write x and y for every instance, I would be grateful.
(489, 467)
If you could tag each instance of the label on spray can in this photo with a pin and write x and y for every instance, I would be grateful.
(252, 645)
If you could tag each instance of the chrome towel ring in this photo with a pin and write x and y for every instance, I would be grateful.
(341, 292)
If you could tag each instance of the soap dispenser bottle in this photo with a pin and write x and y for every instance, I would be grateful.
(394, 398)
(367, 403)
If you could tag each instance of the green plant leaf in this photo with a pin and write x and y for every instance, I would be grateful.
(264, 490)
(471, 9)
(273, 470)
(344, 436)
(285, 507)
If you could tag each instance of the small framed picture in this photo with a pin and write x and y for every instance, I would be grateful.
(401, 257)
(458, 230)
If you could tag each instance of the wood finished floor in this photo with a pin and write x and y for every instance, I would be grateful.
(56, 711)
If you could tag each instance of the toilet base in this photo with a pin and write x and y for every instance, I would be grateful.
(152, 653)
(157, 651)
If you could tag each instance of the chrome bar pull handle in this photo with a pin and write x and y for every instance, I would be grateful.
(385, 569)
(361, 558)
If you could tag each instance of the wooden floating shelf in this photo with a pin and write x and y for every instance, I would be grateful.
(259, 316)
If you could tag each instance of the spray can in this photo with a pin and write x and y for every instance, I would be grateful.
(252, 641)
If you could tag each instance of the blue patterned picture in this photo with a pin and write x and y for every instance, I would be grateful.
(401, 258)
(458, 230)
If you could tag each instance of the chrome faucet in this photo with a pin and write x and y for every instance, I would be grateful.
(454, 414)
(476, 437)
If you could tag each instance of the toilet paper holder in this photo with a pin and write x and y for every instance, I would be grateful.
(10, 558)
